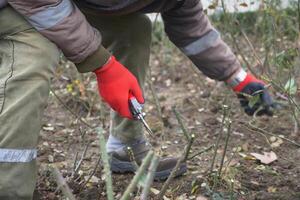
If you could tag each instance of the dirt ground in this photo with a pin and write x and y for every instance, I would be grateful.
(199, 101)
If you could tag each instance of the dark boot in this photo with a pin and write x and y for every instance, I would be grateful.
(122, 161)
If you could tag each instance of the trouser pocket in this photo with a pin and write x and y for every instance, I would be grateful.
(6, 67)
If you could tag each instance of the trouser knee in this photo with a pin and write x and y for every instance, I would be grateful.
(27, 64)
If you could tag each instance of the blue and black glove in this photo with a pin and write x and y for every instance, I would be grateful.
(253, 96)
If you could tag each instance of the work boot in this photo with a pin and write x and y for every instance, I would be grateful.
(123, 161)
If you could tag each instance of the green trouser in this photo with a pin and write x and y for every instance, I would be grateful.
(27, 60)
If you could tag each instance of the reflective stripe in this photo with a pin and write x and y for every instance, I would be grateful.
(51, 16)
(17, 155)
(239, 77)
(201, 44)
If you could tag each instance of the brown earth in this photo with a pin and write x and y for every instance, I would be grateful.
(199, 101)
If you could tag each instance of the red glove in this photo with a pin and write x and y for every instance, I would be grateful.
(248, 79)
(115, 85)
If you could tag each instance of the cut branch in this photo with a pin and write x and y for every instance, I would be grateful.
(201, 152)
(185, 132)
(190, 138)
(225, 147)
(136, 178)
(150, 177)
(225, 114)
(62, 184)
(105, 160)
(176, 168)
(70, 110)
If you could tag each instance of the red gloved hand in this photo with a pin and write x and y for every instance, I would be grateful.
(115, 85)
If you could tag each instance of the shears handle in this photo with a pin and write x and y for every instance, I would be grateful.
(135, 107)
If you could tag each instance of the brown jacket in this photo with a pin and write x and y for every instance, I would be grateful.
(186, 25)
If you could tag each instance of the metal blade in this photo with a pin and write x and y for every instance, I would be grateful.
(147, 127)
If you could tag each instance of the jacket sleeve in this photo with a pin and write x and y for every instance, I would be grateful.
(190, 30)
(62, 22)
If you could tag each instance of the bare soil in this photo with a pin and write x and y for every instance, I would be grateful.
(199, 101)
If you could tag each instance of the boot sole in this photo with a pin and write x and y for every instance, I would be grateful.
(118, 166)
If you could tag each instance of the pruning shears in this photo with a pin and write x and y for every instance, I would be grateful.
(138, 114)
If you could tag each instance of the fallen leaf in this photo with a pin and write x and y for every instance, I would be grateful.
(212, 6)
(51, 158)
(272, 189)
(182, 197)
(244, 4)
(266, 158)
(232, 163)
(254, 183)
(247, 157)
(94, 179)
(277, 143)
(48, 128)
(166, 198)
(201, 198)
(245, 147)
(154, 191)
(273, 139)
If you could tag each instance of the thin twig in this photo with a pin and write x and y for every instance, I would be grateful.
(225, 147)
(136, 178)
(251, 46)
(225, 113)
(185, 132)
(168, 181)
(75, 161)
(175, 169)
(269, 133)
(79, 163)
(157, 104)
(132, 157)
(266, 138)
(93, 172)
(190, 138)
(188, 148)
(201, 152)
(150, 177)
(298, 8)
(106, 165)
(70, 110)
(62, 184)
(235, 42)
(183, 157)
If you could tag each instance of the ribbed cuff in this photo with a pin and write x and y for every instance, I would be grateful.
(94, 61)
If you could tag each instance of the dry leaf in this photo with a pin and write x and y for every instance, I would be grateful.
(272, 189)
(247, 157)
(212, 6)
(154, 191)
(277, 142)
(51, 158)
(94, 179)
(48, 127)
(182, 197)
(201, 198)
(244, 4)
(166, 198)
(266, 158)
(255, 183)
